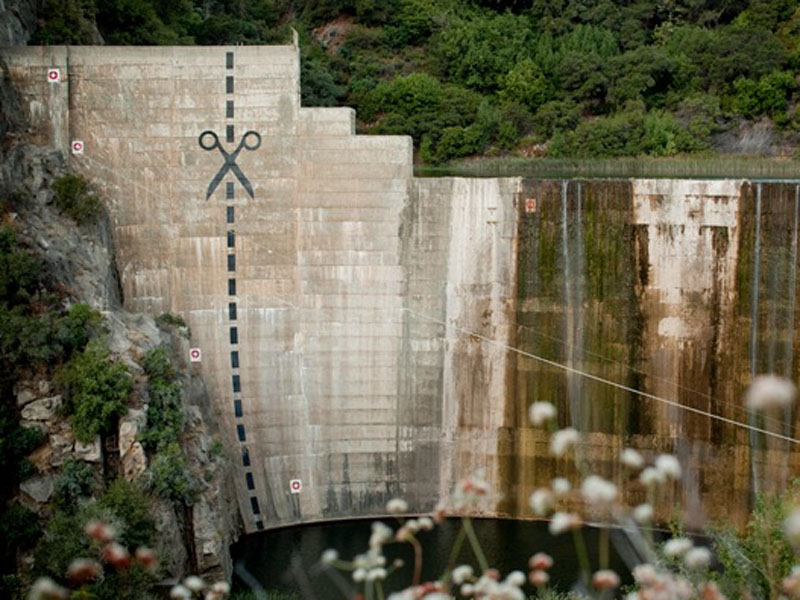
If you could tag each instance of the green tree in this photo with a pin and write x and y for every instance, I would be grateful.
(525, 84)
(769, 95)
(97, 391)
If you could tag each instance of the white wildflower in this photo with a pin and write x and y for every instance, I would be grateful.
(677, 547)
(376, 574)
(467, 589)
(669, 466)
(329, 557)
(508, 592)
(651, 477)
(791, 527)
(643, 514)
(561, 487)
(462, 574)
(539, 578)
(194, 584)
(541, 412)
(540, 561)
(645, 574)
(179, 592)
(599, 491)
(697, 558)
(470, 491)
(221, 587)
(563, 522)
(425, 523)
(605, 579)
(516, 578)
(359, 575)
(412, 525)
(563, 440)
(768, 391)
(46, 589)
(541, 502)
(631, 459)
(396, 506)
(381, 534)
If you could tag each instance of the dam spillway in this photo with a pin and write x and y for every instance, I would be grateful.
(371, 334)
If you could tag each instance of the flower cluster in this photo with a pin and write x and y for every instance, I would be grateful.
(491, 586)
(194, 587)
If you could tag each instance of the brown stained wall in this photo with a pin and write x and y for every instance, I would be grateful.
(661, 299)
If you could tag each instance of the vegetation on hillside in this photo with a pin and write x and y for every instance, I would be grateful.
(566, 78)
(44, 339)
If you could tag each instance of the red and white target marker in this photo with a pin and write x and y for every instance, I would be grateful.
(295, 486)
(54, 75)
(77, 147)
(195, 355)
(530, 205)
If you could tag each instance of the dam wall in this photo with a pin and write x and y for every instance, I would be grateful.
(369, 334)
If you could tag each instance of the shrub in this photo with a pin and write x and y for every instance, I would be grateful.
(75, 482)
(165, 413)
(76, 199)
(755, 562)
(19, 270)
(97, 390)
(168, 319)
(19, 527)
(169, 476)
(16, 441)
(127, 502)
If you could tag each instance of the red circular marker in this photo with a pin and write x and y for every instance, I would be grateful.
(295, 485)
(53, 74)
(195, 355)
(77, 147)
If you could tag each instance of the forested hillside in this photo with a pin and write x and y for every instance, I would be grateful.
(563, 78)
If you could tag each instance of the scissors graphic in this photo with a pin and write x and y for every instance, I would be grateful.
(209, 140)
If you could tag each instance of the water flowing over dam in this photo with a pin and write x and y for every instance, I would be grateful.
(367, 334)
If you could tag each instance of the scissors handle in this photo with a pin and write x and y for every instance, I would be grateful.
(215, 140)
(253, 145)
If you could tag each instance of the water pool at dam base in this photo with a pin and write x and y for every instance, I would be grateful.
(288, 559)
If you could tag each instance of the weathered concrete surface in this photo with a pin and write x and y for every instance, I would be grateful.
(389, 331)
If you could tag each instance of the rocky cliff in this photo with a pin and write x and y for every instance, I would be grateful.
(78, 261)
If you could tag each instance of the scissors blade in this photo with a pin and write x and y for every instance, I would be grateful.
(217, 179)
(242, 179)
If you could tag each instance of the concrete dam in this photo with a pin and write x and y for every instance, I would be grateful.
(367, 334)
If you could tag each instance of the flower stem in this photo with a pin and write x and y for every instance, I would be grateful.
(379, 588)
(583, 556)
(451, 562)
(476, 546)
(417, 560)
(604, 548)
